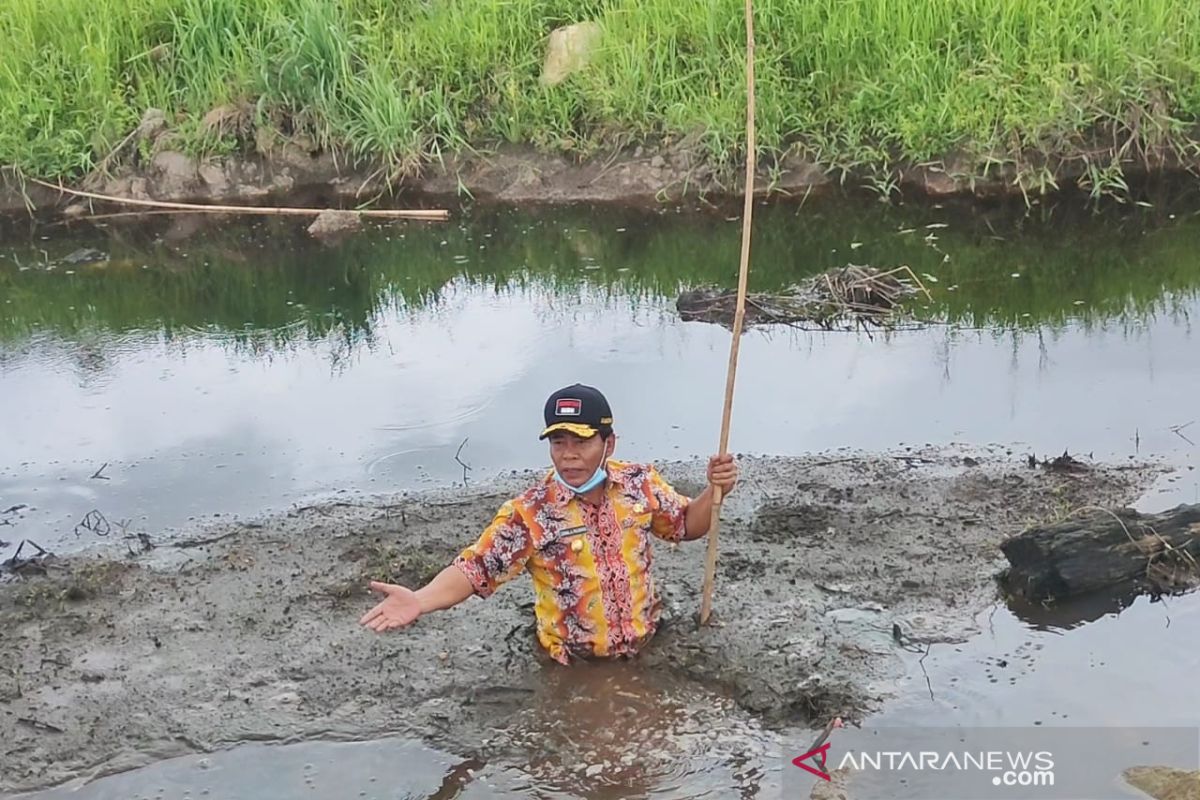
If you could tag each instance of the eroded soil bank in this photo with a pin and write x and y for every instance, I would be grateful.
(645, 174)
(248, 631)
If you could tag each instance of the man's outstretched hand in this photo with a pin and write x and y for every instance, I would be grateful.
(400, 605)
(398, 608)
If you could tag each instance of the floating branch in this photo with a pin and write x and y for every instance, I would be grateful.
(851, 294)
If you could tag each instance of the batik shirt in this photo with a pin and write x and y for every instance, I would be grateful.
(593, 591)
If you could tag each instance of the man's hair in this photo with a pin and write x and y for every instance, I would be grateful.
(605, 432)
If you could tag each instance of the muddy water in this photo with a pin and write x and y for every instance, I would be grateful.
(1096, 662)
(242, 369)
(608, 731)
(604, 731)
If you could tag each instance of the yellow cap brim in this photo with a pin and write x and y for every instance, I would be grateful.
(582, 431)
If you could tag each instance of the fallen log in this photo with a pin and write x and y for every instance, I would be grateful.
(1097, 549)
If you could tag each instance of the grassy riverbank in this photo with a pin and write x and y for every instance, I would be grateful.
(857, 84)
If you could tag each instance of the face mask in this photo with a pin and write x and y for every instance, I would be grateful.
(591, 483)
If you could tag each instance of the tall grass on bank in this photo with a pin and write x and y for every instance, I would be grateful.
(855, 83)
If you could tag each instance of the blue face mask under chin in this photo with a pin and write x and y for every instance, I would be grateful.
(591, 483)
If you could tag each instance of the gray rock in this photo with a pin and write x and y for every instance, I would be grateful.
(292, 155)
(139, 189)
(834, 789)
(569, 50)
(232, 119)
(216, 178)
(85, 255)
(282, 181)
(153, 124)
(248, 192)
(334, 223)
(937, 183)
(798, 174)
(1164, 783)
(175, 175)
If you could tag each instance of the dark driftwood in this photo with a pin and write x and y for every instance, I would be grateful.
(1095, 549)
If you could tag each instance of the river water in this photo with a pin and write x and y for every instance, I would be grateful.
(192, 370)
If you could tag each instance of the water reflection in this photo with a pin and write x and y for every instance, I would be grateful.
(390, 768)
(249, 368)
(1128, 667)
(263, 286)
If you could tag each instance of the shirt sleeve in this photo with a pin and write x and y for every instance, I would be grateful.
(668, 508)
(500, 553)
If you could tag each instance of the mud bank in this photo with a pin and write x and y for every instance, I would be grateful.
(646, 174)
(830, 567)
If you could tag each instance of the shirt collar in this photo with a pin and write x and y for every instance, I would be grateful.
(560, 497)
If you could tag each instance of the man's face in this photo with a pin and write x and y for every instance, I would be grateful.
(576, 458)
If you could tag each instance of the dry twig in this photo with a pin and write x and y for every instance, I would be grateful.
(465, 467)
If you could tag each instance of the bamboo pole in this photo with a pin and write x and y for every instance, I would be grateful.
(433, 214)
(710, 562)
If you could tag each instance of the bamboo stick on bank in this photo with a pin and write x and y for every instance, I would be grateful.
(432, 214)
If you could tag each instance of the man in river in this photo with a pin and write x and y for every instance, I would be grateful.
(584, 534)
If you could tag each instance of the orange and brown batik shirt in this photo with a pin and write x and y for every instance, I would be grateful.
(593, 591)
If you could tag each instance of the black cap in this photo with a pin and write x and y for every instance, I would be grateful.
(578, 409)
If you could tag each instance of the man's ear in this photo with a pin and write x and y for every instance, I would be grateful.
(610, 445)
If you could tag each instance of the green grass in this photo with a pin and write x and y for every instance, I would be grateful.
(860, 85)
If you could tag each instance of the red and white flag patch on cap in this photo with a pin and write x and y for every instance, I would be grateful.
(566, 407)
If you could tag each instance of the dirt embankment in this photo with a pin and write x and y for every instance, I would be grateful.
(830, 568)
(286, 174)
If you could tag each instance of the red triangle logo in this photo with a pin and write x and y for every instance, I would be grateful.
(818, 757)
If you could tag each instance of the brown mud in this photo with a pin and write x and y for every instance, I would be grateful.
(831, 568)
(1165, 783)
(288, 174)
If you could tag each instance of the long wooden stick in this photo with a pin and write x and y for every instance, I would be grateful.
(434, 214)
(710, 562)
